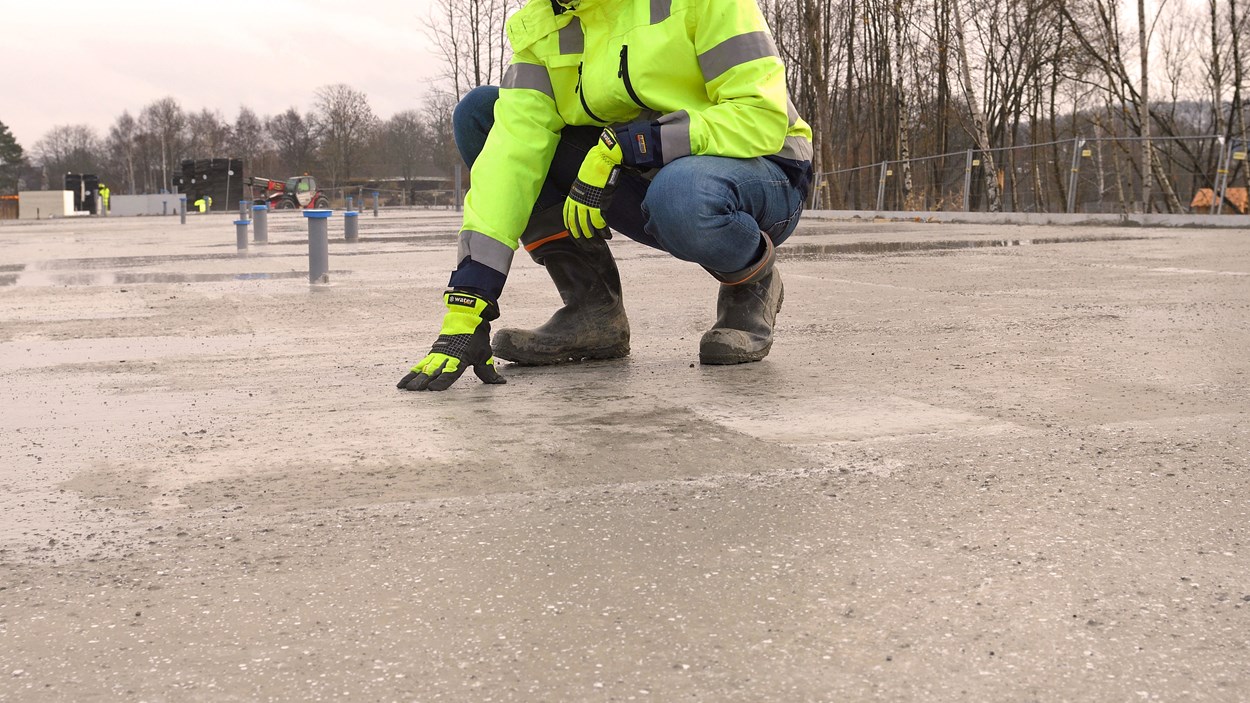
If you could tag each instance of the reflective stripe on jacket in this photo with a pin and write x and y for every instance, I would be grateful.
(706, 70)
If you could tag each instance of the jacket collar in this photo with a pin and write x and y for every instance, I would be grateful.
(579, 7)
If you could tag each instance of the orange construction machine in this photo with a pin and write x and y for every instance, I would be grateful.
(291, 194)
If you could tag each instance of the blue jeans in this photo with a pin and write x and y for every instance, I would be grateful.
(706, 209)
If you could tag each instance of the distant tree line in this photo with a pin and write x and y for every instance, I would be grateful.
(340, 138)
(879, 80)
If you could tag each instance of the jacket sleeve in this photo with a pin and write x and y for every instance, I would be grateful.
(507, 175)
(745, 80)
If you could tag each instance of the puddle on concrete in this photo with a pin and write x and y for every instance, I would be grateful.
(121, 262)
(129, 278)
(815, 251)
(106, 278)
(441, 238)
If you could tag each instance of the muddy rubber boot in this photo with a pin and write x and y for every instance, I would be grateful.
(592, 323)
(746, 310)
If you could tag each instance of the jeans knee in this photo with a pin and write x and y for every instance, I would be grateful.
(683, 208)
(695, 211)
(664, 214)
(476, 104)
(472, 119)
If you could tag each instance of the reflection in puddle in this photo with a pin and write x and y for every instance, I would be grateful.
(36, 279)
(276, 248)
(807, 251)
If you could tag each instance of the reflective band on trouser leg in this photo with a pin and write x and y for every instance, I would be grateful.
(485, 250)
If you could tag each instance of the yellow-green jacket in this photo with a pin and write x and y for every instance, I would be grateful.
(704, 74)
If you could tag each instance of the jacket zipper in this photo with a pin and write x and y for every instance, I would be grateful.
(623, 73)
(582, 96)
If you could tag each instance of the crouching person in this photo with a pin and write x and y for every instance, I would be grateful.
(665, 120)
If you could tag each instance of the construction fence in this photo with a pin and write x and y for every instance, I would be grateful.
(1200, 175)
(362, 197)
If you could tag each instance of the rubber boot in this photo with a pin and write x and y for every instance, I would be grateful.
(592, 323)
(746, 310)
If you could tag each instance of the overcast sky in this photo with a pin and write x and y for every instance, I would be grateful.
(78, 62)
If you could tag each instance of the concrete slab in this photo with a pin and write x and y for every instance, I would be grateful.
(983, 462)
(44, 204)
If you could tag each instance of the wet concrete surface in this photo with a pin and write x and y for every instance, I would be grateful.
(971, 469)
(817, 251)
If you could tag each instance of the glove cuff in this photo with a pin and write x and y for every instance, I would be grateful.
(483, 308)
(640, 145)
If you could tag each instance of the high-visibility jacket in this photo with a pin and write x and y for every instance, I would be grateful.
(703, 76)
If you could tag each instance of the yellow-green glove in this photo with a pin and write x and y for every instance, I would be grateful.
(463, 341)
(592, 191)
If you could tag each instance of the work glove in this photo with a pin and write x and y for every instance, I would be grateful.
(463, 341)
(592, 191)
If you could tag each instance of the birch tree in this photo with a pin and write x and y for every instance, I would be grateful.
(978, 130)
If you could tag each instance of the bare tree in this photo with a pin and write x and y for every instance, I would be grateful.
(437, 110)
(901, 105)
(122, 144)
(407, 143)
(1143, 105)
(294, 140)
(208, 135)
(470, 36)
(1096, 27)
(978, 131)
(820, 46)
(1237, 26)
(248, 139)
(69, 149)
(346, 123)
(165, 124)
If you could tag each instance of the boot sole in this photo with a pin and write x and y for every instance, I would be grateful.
(715, 359)
(564, 357)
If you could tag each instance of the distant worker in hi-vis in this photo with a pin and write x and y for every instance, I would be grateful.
(665, 120)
